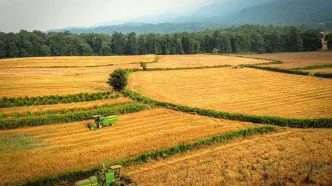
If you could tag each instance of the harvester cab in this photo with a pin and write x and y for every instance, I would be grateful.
(101, 121)
(107, 177)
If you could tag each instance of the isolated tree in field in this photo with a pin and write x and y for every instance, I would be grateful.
(144, 66)
(312, 40)
(118, 79)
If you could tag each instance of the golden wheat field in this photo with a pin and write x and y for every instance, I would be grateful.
(49, 81)
(292, 157)
(243, 90)
(70, 146)
(174, 61)
(298, 59)
(79, 105)
(73, 61)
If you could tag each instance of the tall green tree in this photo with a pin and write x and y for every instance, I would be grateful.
(131, 44)
(45, 51)
(328, 38)
(179, 48)
(312, 40)
(118, 43)
(293, 40)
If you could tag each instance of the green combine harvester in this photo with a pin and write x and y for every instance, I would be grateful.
(102, 121)
(107, 177)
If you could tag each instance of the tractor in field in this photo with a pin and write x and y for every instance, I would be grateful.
(102, 121)
(107, 177)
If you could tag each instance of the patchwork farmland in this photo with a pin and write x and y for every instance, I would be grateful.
(159, 145)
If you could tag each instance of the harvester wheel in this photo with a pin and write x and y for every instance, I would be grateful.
(127, 180)
(100, 126)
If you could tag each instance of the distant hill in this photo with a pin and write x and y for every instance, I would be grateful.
(142, 28)
(308, 13)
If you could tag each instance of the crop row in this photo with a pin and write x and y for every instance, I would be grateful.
(270, 63)
(67, 117)
(273, 120)
(275, 69)
(151, 155)
(6, 102)
(48, 112)
(323, 75)
(311, 67)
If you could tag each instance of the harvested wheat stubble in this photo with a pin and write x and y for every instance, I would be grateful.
(60, 85)
(41, 108)
(174, 61)
(294, 157)
(244, 90)
(71, 61)
(298, 59)
(77, 147)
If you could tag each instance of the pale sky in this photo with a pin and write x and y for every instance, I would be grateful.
(50, 14)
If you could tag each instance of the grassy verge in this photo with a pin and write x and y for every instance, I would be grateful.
(67, 117)
(6, 102)
(323, 75)
(275, 69)
(151, 155)
(270, 63)
(59, 111)
(311, 67)
(273, 120)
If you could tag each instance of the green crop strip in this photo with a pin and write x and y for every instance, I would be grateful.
(48, 112)
(275, 69)
(311, 67)
(151, 155)
(273, 120)
(270, 63)
(47, 119)
(323, 75)
(6, 102)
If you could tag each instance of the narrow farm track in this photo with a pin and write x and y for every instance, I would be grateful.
(279, 157)
(245, 90)
(74, 146)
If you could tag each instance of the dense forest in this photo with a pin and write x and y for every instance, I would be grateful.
(242, 39)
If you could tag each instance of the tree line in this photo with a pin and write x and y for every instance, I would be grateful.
(241, 39)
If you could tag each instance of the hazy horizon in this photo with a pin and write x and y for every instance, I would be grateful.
(48, 14)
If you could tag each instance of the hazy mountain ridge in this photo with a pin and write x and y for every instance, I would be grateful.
(311, 13)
